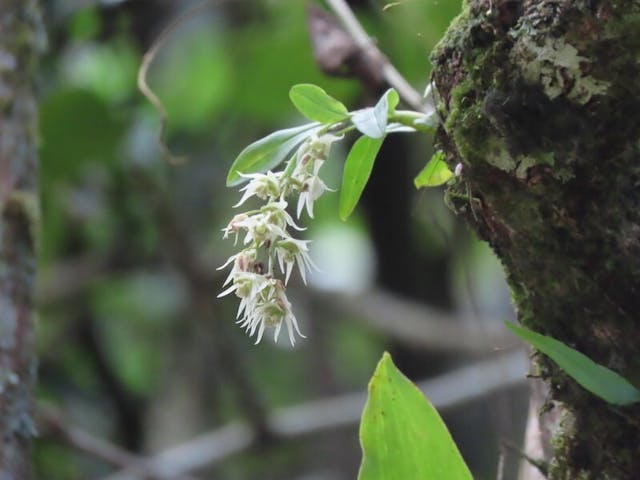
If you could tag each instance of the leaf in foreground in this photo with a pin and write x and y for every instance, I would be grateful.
(402, 434)
(435, 173)
(595, 378)
(316, 104)
(268, 152)
(357, 169)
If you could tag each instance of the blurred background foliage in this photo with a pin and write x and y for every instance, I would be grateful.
(134, 347)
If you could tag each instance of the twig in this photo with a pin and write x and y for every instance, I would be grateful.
(391, 75)
(52, 423)
(148, 58)
(202, 451)
(541, 465)
(416, 324)
(449, 390)
(500, 467)
(541, 423)
(408, 322)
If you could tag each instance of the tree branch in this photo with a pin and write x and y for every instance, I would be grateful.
(409, 322)
(390, 74)
(419, 325)
(53, 424)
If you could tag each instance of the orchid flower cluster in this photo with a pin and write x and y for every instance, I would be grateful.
(267, 241)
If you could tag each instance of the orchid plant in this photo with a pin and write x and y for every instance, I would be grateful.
(263, 301)
(266, 232)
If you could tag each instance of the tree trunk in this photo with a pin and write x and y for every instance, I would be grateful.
(20, 38)
(541, 107)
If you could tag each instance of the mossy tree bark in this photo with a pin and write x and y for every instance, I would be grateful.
(20, 37)
(540, 101)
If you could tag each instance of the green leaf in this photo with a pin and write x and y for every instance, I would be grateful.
(434, 173)
(372, 121)
(402, 434)
(357, 169)
(595, 378)
(393, 99)
(194, 77)
(78, 127)
(268, 152)
(315, 104)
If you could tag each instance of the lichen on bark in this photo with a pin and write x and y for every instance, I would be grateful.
(541, 106)
(20, 39)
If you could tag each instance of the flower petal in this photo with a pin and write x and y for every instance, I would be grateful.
(227, 291)
(260, 332)
(289, 270)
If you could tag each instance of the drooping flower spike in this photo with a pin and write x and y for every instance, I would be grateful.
(265, 232)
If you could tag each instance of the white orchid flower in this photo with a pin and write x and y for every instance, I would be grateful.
(289, 251)
(261, 185)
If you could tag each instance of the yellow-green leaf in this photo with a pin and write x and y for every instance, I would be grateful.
(435, 173)
(392, 100)
(268, 152)
(357, 169)
(316, 104)
(595, 378)
(402, 434)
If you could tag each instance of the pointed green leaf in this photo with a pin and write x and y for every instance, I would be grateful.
(372, 121)
(357, 169)
(595, 378)
(268, 152)
(315, 104)
(402, 434)
(392, 100)
(436, 172)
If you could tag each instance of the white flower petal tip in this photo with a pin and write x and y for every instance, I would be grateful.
(265, 306)
(268, 243)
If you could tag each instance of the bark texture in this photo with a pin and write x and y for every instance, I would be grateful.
(541, 107)
(20, 38)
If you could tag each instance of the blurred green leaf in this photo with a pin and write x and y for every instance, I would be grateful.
(595, 378)
(315, 104)
(409, 29)
(357, 169)
(53, 457)
(134, 311)
(268, 152)
(77, 126)
(372, 121)
(85, 24)
(193, 75)
(108, 70)
(402, 434)
(272, 54)
(435, 173)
